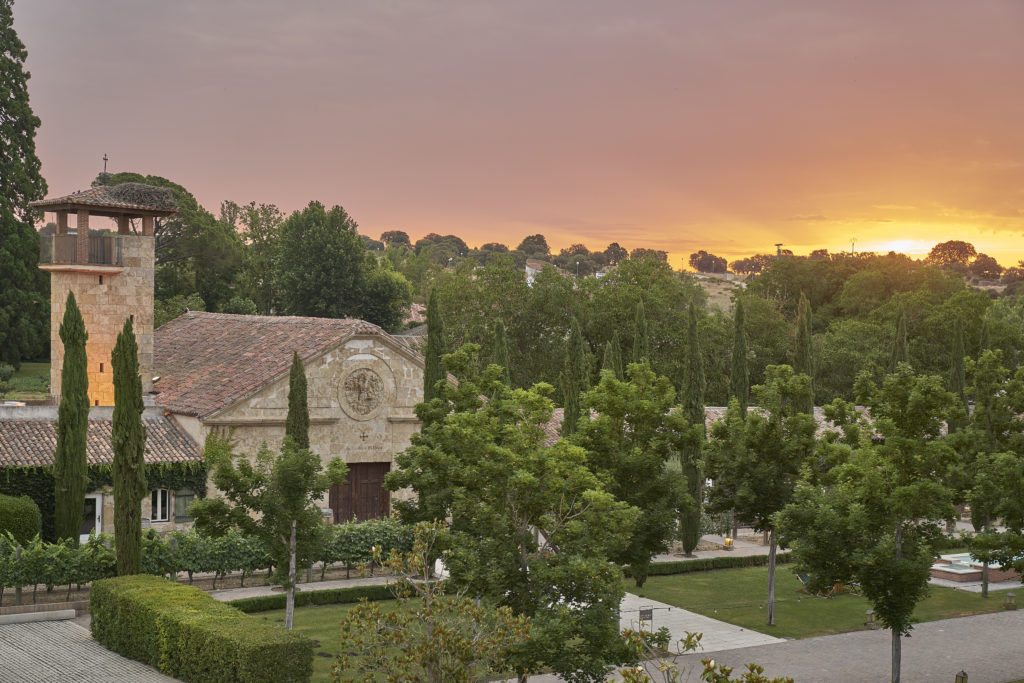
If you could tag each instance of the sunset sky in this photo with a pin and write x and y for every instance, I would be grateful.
(727, 125)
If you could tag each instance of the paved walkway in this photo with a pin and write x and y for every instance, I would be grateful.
(228, 594)
(59, 651)
(718, 635)
(989, 647)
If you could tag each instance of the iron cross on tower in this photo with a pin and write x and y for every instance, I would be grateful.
(104, 162)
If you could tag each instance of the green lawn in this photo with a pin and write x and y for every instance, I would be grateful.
(738, 596)
(320, 622)
(32, 380)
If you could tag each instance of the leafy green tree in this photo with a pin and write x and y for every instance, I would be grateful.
(692, 395)
(260, 231)
(535, 246)
(531, 526)
(296, 424)
(884, 505)
(641, 339)
(166, 310)
(324, 270)
(612, 360)
(739, 370)
(70, 465)
(431, 637)
(195, 252)
(24, 289)
(952, 253)
(629, 441)
(272, 497)
(755, 460)
(899, 344)
(433, 371)
(398, 238)
(128, 440)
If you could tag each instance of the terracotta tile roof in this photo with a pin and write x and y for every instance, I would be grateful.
(111, 197)
(32, 442)
(208, 361)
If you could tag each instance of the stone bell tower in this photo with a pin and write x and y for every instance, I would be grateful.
(110, 273)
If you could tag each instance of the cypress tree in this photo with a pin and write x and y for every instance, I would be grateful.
(899, 344)
(128, 439)
(69, 461)
(433, 372)
(641, 338)
(694, 386)
(575, 379)
(957, 373)
(739, 373)
(613, 356)
(296, 425)
(986, 337)
(24, 288)
(501, 353)
(804, 360)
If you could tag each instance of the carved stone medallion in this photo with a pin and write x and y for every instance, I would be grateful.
(363, 392)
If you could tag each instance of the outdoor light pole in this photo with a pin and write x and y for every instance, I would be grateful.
(577, 270)
(961, 677)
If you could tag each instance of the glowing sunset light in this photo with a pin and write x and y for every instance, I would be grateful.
(677, 126)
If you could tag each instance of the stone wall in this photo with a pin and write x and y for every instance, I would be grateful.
(105, 301)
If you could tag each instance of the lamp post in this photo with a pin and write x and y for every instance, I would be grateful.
(577, 270)
(961, 677)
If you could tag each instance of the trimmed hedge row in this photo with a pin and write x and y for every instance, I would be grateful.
(329, 596)
(707, 563)
(186, 634)
(20, 517)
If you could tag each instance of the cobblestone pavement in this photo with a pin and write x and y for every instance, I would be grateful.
(60, 651)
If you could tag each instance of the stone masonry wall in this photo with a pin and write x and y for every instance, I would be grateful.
(104, 308)
(373, 431)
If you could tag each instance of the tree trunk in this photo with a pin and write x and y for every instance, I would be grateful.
(771, 578)
(735, 527)
(17, 589)
(896, 655)
(984, 568)
(289, 605)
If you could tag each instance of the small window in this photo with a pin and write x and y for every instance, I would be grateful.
(182, 499)
(131, 318)
(101, 279)
(160, 509)
(101, 367)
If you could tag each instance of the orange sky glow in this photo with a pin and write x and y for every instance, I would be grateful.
(726, 126)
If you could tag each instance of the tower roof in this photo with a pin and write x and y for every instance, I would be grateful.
(137, 199)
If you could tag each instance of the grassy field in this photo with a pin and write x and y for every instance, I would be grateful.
(31, 381)
(737, 596)
(320, 622)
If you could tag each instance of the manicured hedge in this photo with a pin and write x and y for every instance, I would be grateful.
(707, 563)
(21, 517)
(186, 634)
(329, 596)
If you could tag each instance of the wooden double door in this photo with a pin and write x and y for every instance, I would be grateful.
(362, 495)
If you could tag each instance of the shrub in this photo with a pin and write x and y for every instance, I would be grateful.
(185, 633)
(21, 517)
(708, 563)
(6, 372)
(329, 596)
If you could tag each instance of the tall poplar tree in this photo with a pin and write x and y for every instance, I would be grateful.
(694, 386)
(957, 373)
(804, 357)
(433, 371)
(24, 288)
(69, 461)
(739, 372)
(899, 344)
(501, 356)
(575, 379)
(613, 357)
(128, 439)
(641, 337)
(296, 425)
